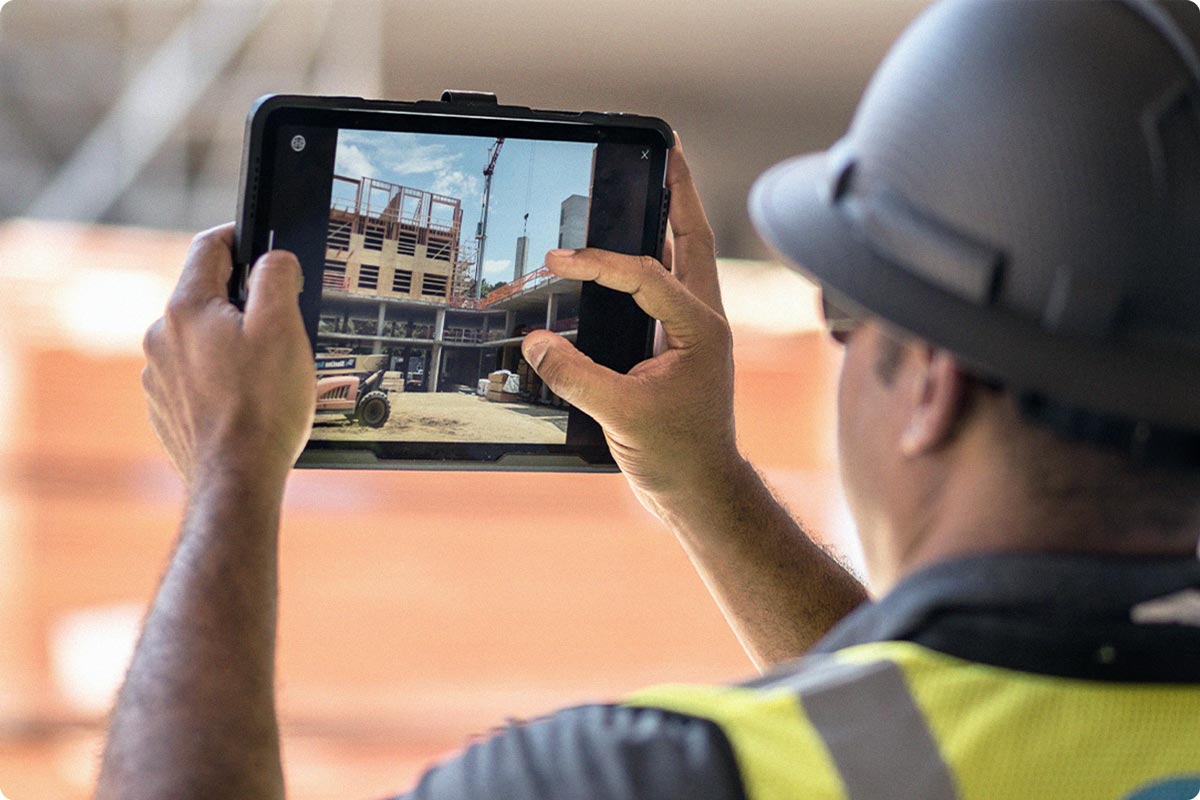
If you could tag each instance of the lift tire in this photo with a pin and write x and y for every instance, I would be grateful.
(374, 409)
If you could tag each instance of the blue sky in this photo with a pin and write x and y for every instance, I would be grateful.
(533, 176)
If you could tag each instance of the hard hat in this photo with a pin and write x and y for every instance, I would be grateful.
(1021, 186)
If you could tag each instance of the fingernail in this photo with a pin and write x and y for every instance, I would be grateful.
(281, 257)
(535, 351)
(285, 259)
(561, 253)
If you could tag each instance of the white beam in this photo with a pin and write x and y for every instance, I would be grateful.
(153, 105)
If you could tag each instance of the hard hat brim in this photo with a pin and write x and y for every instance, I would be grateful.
(792, 209)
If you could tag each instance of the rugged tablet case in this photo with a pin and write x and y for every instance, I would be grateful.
(453, 103)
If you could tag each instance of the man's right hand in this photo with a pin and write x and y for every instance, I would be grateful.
(669, 422)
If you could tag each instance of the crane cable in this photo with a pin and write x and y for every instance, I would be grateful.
(529, 185)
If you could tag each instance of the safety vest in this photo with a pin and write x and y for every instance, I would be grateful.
(898, 721)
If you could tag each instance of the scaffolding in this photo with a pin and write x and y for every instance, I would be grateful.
(384, 210)
(388, 239)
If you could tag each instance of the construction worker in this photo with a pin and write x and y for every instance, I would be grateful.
(1008, 242)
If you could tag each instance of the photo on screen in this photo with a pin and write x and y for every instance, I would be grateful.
(434, 274)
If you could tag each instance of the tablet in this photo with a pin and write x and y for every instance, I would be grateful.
(421, 229)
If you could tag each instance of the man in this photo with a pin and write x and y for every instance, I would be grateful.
(1012, 231)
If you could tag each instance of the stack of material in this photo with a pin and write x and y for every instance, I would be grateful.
(526, 377)
(531, 384)
(392, 381)
(502, 388)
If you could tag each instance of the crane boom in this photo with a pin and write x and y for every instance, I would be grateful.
(481, 230)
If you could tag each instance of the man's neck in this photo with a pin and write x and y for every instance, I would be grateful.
(978, 505)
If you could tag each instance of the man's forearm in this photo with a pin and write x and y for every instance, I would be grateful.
(196, 716)
(779, 590)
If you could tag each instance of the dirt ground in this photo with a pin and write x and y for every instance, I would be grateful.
(453, 417)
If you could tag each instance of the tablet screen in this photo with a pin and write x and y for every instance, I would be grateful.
(429, 251)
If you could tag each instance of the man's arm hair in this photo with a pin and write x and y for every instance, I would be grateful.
(196, 716)
(230, 395)
(780, 591)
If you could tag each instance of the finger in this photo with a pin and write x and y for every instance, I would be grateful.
(206, 269)
(660, 337)
(272, 294)
(593, 389)
(687, 212)
(152, 340)
(668, 258)
(149, 385)
(693, 244)
(684, 317)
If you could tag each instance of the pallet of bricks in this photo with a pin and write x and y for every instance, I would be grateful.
(498, 382)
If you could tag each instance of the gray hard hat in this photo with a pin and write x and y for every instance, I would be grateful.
(1021, 186)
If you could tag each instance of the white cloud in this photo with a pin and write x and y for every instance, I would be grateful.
(404, 153)
(398, 153)
(455, 183)
(412, 158)
(498, 269)
(353, 162)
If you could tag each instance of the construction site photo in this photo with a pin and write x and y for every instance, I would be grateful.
(433, 276)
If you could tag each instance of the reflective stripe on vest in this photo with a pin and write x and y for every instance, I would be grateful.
(898, 720)
(876, 741)
(876, 735)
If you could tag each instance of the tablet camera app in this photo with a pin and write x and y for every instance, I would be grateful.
(433, 274)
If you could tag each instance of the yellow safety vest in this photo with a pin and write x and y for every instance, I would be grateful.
(899, 721)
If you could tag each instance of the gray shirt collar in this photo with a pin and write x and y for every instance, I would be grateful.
(1025, 598)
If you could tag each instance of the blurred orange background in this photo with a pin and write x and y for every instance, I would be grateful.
(417, 609)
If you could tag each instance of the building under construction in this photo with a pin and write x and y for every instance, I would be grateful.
(398, 282)
(391, 240)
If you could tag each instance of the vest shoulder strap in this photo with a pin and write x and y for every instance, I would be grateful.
(823, 728)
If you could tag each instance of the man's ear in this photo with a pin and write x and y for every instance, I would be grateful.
(941, 399)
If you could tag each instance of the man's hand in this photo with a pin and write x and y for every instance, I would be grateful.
(669, 422)
(231, 392)
(669, 425)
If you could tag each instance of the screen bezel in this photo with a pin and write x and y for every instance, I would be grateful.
(449, 118)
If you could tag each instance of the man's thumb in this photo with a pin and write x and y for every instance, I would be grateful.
(570, 374)
(275, 282)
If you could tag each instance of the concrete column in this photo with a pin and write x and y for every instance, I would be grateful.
(378, 346)
(509, 319)
(519, 262)
(435, 361)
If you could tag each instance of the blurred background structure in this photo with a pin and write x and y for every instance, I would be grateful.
(131, 111)
(410, 619)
